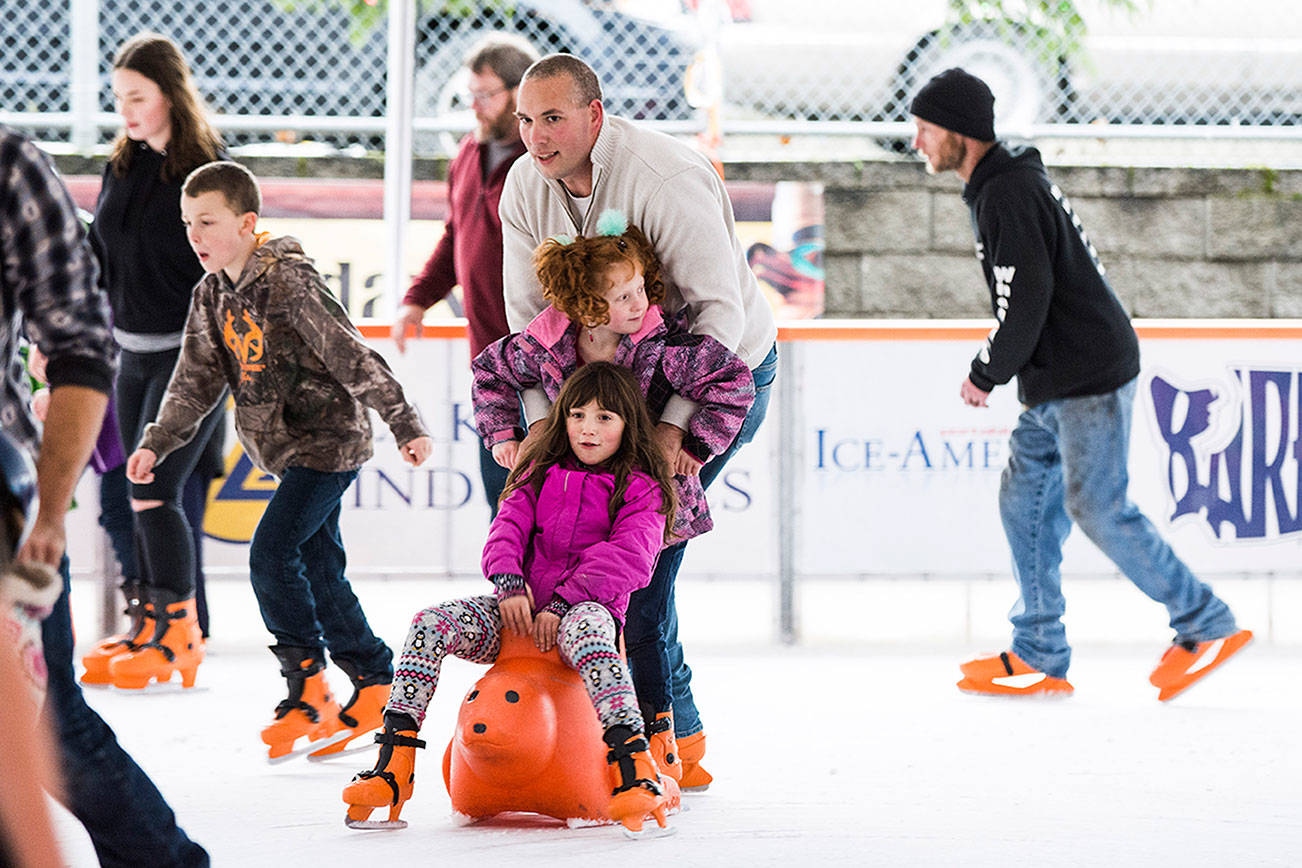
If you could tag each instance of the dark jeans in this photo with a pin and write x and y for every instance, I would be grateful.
(493, 475)
(116, 519)
(296, 564)
(164, 543)
(661, 676)
(128, 820)
(194, 501)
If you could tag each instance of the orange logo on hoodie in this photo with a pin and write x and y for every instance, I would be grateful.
(247, 347)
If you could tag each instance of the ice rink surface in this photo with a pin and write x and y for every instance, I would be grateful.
(829, 753)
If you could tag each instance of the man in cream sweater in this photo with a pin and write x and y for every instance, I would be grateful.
(580, 163)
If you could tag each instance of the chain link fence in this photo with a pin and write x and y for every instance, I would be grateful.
(819, 69)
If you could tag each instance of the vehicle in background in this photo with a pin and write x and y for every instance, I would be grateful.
(1171, 62)
(257, 57)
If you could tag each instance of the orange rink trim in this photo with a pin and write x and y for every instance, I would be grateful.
(951, 330)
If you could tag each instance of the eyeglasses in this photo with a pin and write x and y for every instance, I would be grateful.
(481, 97)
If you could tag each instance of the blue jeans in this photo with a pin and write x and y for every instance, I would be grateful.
(655, 656)
(128, 820)
(296, 564)
(118, 522)
(1068, 463)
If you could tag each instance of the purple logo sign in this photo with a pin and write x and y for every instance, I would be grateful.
(1234, 451)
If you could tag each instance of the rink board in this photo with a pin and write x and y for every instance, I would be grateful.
(893, 474)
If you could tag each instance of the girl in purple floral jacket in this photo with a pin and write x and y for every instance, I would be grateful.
(604, 291)
(582, 519)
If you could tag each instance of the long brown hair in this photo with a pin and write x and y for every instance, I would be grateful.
(193, 141)
(572, 272)
(616, 391)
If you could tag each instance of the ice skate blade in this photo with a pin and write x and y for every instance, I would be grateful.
(313, 757)
(982, 688)
(153, 688)
(298, 752)
(649, 831)
(375, 825)
(325, 748)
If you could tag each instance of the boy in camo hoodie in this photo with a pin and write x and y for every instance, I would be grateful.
(262, 323)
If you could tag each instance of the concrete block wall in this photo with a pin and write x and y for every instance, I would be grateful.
(1176, 242)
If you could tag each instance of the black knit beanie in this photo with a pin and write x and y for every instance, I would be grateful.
(958, 101)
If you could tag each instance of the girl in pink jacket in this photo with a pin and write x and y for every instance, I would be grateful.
(580, 524)
(604, 292)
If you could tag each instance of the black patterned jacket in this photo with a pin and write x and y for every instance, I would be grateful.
(48, 286)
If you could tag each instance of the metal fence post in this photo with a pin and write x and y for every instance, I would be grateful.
(788, 504)
(84, 91)
(398, 144)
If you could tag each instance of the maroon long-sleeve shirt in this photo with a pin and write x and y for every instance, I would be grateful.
(470, 251)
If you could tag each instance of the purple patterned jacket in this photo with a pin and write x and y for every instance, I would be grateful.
(666, 359)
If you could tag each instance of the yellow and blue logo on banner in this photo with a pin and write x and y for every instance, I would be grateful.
(236, 502)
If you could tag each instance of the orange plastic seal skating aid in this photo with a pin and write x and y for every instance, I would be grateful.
(527, 739)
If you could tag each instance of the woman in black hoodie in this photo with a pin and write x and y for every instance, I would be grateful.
(150, 271)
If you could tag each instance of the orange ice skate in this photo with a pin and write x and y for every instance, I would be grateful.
(639, 792)
(363, 713)
(388, 785)
(691, 750)
(176, 646)
(308, 711)
(96, 661)
(664, 747)
(1006, 674)
(1184, 664)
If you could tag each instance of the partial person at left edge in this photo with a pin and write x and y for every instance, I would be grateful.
(49, 293)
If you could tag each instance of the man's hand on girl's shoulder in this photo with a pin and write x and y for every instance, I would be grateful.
(670, 439)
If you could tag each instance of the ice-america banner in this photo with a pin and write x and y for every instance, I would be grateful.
(894, 475)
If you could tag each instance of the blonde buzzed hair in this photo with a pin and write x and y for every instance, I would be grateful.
(586, 86)
(236, 183)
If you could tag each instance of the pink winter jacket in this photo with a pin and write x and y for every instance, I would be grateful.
(561, 539)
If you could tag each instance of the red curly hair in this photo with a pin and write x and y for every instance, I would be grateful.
(573, 275)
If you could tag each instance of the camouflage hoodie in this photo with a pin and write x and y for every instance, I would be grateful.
(301, 375)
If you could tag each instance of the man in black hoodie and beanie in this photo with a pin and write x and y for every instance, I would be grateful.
(1066, 337)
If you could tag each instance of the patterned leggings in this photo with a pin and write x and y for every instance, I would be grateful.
(471, 629)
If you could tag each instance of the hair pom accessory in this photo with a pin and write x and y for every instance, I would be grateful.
(612, 222)
(563, 239)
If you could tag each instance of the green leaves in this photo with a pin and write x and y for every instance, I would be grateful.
(1055, 27)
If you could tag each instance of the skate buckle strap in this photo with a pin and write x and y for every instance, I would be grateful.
(386, 776)
(623, 755)
(288, 705)
(348, 719)
(398, 740)
(659, 725)
(168, 653)
(1008, 664)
